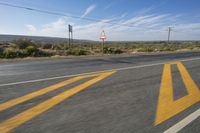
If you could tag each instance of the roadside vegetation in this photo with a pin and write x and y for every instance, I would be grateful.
(26, 48)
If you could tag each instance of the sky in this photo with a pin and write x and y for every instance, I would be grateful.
(147, 20)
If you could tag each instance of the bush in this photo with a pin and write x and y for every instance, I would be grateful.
(24, 43)
(146, 49)
(30, 50)
(47, 46)
(9, 53)
(118, 51)
(40, 53)
(112, 51)
(1, 52)
(77, 51)
(13, 46)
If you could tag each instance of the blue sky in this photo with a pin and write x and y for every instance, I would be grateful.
(149, 19)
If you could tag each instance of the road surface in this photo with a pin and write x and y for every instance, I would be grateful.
(124, 94)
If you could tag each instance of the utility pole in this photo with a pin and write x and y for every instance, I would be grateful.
(169, 33)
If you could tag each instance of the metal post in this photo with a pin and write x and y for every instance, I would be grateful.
(102, 38)
(70, 34)
(69, 40)
(102, 46)
(72, 38)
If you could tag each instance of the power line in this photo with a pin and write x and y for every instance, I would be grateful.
(61, 14)
(78, 17)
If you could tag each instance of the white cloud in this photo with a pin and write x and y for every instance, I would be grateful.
(88, 10)
(145, 27)
(57, 26)
(31, 28)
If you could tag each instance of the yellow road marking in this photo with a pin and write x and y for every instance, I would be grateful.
(43, 91)
(29, 96)
(27, 115)
(168, 107)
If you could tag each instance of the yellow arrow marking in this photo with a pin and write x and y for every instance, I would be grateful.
(168, 107)
(27, 115)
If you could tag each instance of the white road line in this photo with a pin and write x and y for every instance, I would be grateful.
(181, 124)
(117, 69)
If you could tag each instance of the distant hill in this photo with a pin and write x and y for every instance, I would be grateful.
(10, 38)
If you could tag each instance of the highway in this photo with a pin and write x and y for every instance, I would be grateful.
(117, 94)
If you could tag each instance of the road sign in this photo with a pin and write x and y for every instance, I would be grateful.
(70, 28)
(70, 35)
(103, 36)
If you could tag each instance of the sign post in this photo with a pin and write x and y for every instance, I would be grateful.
(102, 38)
(70, 34)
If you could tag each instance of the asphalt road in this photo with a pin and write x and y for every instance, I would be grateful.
(123, 94)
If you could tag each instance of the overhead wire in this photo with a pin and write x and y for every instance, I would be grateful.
(63, 14)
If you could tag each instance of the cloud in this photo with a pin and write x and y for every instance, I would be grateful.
(57, 28)
(144, 27)
(88, 10)
(31, 28)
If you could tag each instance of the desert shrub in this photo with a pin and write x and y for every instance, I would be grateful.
(30, 50)
(13, 45)
(1, 52)
(41, 53)
(146, 49)
(21, 54)
(9, 53)
(23, 43)
(57, 47)
(108, 50)
(118, 51)
(161, 49)
(47, 46)
(77, 51)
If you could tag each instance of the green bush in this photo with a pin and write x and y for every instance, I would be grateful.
(47, 46)
(21, 54)
(25, 48)
(118, 51)
(77, 51)
(146, 49)
(40, 53)
(58, 47)
(30, 50)
(9, 53)
(1, 52)
(24, 43)
(13, 45)
(108, 50)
